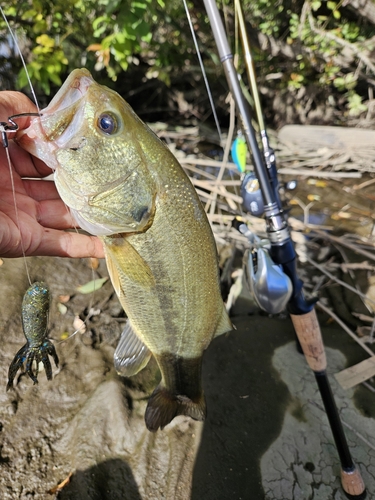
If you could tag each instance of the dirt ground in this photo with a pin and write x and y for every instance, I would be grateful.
(265, 437)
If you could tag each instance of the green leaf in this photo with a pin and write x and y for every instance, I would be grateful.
(28, 14)
(315, 4)
(140, 5)
(45, 86)
(165, 77)
(45, 41)
(147, 38)
(54, 77)
(355, 105)
(10, 11)
(22, 80)
(339, 83)
(91, 286)
(143, 29)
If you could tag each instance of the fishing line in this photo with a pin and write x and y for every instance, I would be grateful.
(14, 127)
(4, 128)
(212, 103)
(17, 214)
(91, 311)
(209, 93)
(21, 57)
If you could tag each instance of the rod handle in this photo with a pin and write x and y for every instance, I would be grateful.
(353, 484)
(308, 332)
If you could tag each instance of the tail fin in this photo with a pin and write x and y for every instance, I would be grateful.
(163, 406)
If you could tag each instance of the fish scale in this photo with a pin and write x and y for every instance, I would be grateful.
(124, 185)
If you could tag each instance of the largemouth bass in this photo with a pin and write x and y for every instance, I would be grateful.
(35, 309)
(124, 185)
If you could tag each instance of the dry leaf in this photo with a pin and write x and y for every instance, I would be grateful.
(62, 308)
(91, 286)
(345, 215)
(94, 262)
(293, 201)
(79, 325)
(64, 298)
(313, 197)
(317, 183)
(60, 486)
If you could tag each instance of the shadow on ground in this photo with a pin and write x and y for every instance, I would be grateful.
(109, 480)
(249, 404)
(241, 425)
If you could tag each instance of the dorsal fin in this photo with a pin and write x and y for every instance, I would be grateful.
(131, 354)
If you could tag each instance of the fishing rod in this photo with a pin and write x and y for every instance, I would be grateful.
(268, 152)
(302, 311)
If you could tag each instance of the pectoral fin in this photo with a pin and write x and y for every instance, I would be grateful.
(224, 325)
(123, 259)
(131, 355)
(113, 273)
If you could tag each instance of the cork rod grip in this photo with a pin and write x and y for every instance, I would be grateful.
(308, 332)
(352, 483)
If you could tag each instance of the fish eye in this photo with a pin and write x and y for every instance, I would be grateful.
(107, 123)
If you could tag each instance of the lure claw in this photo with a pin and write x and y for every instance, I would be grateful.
(38, 347)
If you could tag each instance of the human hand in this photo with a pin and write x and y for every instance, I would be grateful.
(42, 215)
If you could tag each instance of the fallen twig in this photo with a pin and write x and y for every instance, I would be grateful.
(344, 327)
(338, 281)
(319, 173)
(345, 243)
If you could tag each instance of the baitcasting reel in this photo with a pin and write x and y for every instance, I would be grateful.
(270, 286)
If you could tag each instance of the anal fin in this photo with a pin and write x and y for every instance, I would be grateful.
(131, 354)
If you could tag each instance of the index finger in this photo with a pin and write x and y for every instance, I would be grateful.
(14, 103)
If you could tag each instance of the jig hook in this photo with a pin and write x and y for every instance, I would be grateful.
(12, 126)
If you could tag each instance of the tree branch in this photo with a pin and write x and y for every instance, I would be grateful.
(365, 8)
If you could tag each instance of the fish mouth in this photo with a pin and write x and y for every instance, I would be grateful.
(74, 88)
(56, 124)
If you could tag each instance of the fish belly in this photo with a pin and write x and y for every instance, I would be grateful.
(167, 282)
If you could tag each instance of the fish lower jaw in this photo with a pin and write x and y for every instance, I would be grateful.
(31, 142)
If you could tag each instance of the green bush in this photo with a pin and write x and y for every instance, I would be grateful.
(303, 44)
